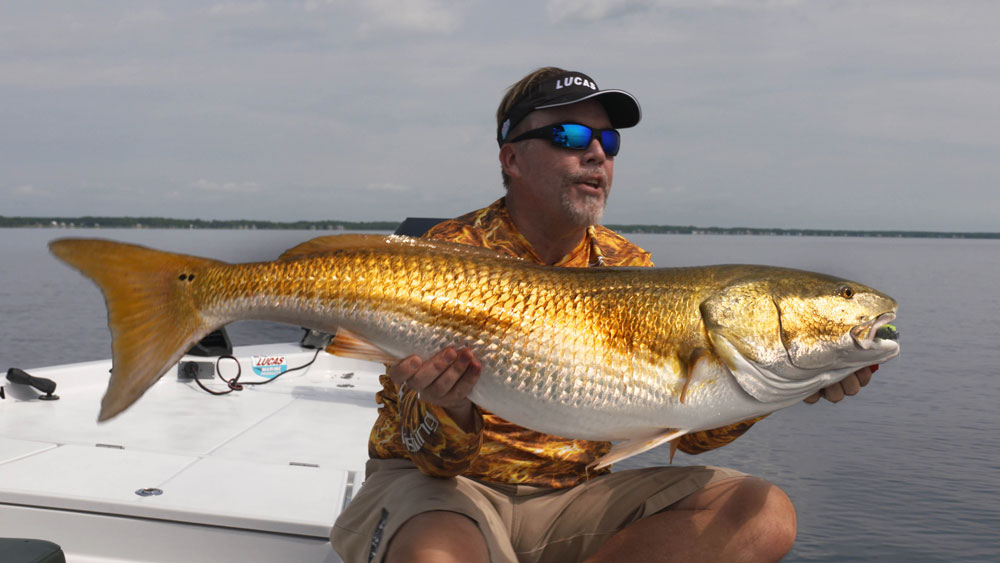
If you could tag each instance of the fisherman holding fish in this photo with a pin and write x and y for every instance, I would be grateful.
(449, 481)
(500, 451)
(471, 457)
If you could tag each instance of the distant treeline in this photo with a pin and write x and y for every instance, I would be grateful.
(691, 230)
(165, 223)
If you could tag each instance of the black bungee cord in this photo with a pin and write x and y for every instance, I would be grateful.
(234, 384)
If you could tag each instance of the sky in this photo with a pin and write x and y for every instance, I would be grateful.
(770, 113)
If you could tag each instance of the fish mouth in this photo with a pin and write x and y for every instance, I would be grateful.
(866, 334)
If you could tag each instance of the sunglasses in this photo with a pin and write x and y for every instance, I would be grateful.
(575, 136)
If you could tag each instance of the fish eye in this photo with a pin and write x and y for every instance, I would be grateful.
(846, 291)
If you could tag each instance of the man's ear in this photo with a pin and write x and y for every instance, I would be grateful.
(509, 160)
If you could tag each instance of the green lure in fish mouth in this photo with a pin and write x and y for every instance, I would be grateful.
(887, 332)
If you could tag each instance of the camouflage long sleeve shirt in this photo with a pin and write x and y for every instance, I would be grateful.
(498, 450)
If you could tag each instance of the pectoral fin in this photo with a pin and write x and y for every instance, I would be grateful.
(697, 355)
(629, 448)
(347, 344)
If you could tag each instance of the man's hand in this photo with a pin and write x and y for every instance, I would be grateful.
(850, 385)
(445, 379)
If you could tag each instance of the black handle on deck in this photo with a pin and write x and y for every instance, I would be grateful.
(46, 386)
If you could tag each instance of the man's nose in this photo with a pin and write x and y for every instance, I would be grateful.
(594, 152)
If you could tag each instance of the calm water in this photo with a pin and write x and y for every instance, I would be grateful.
(909, 470)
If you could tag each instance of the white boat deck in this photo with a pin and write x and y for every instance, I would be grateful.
(256, 475)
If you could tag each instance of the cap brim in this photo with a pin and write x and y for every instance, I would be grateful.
(623, 109)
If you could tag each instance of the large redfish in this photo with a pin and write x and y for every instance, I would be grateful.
(639, 355)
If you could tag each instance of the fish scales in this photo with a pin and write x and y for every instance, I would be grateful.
(466, 302)
(593, 353)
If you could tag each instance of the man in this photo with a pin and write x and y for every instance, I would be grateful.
(475, 487)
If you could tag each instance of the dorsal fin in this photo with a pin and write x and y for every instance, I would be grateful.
(332, 243)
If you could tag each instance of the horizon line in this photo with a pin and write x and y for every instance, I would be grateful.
(132, 222)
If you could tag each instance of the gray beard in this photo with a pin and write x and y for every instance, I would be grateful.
(585, 213)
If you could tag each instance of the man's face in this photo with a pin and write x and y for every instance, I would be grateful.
(571, 186)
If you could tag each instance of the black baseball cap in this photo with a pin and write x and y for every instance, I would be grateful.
(570, 88)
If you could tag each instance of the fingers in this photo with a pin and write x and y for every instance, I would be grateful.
(404, 369)
(447, 379)
(444, 379)
(850, 385)
(865, 374)
(468, 369)
(834, 393)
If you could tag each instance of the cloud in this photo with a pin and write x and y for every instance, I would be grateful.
(560, 11)
(236, 9)
(26, 190)
(663, 190)
(422, 16)
(388, 187)
(592, 10)
(314, 5)
(228, 187)
(427, 16)
(142, 16)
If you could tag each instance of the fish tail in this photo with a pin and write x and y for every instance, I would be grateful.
(151, 298)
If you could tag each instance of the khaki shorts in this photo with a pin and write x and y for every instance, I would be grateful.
(520, 522)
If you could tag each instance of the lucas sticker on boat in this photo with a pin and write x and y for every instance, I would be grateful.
(269, 366)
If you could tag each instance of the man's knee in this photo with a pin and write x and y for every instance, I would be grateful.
(438, 536)
(766, 516)
(756, 515)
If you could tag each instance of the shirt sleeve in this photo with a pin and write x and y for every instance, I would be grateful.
(705, 440)
(437, 445)
(421, 432)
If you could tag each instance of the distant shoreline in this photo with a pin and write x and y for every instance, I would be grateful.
(87, 222)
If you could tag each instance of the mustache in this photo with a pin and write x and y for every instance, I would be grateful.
(589, 176)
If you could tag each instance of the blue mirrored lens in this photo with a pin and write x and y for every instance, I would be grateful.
(575, 136)
(610, 141)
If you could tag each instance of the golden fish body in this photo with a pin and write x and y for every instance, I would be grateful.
(602, 353)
